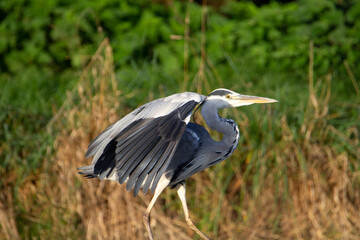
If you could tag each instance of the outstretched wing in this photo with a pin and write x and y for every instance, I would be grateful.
(138, 148)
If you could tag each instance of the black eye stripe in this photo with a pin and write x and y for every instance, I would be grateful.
(220, 92)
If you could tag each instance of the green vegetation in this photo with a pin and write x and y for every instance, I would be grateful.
(295, 172)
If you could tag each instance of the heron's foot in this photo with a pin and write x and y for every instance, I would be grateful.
(193, 227)
(146, 219)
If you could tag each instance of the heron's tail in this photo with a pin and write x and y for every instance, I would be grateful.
(87, 171)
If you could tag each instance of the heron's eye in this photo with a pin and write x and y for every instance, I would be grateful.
(228, 96)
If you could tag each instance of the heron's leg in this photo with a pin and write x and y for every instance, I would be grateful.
(181, 190)
(163, 182)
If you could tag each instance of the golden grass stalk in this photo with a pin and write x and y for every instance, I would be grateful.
(8, 229)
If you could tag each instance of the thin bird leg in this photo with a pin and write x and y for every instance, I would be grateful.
(163, 182)
(181, 190)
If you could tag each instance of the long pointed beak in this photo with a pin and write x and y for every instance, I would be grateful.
(246, 99)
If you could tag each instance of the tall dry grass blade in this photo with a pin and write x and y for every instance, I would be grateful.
(201, 76)
(352, 77)
(311, 75)
(186, 46)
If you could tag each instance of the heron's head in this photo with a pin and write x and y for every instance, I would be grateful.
(224, 98)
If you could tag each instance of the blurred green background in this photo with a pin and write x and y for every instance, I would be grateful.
(252, 47)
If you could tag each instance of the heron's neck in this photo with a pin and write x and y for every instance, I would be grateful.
(227, 127)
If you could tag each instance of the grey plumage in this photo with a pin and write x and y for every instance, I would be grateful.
(155, 145)
(138, 151)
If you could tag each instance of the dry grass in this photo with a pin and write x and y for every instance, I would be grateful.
(306, 189)
(7, 219)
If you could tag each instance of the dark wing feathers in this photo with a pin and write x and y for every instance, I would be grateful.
(135, 156)
(151, 169)
(143, 170)
(106, 161)
(141, 152)
(168, 154)
(137, 160)
(92, 146)
(137, 164)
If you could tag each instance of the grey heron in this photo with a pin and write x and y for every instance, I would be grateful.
(156, 145)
